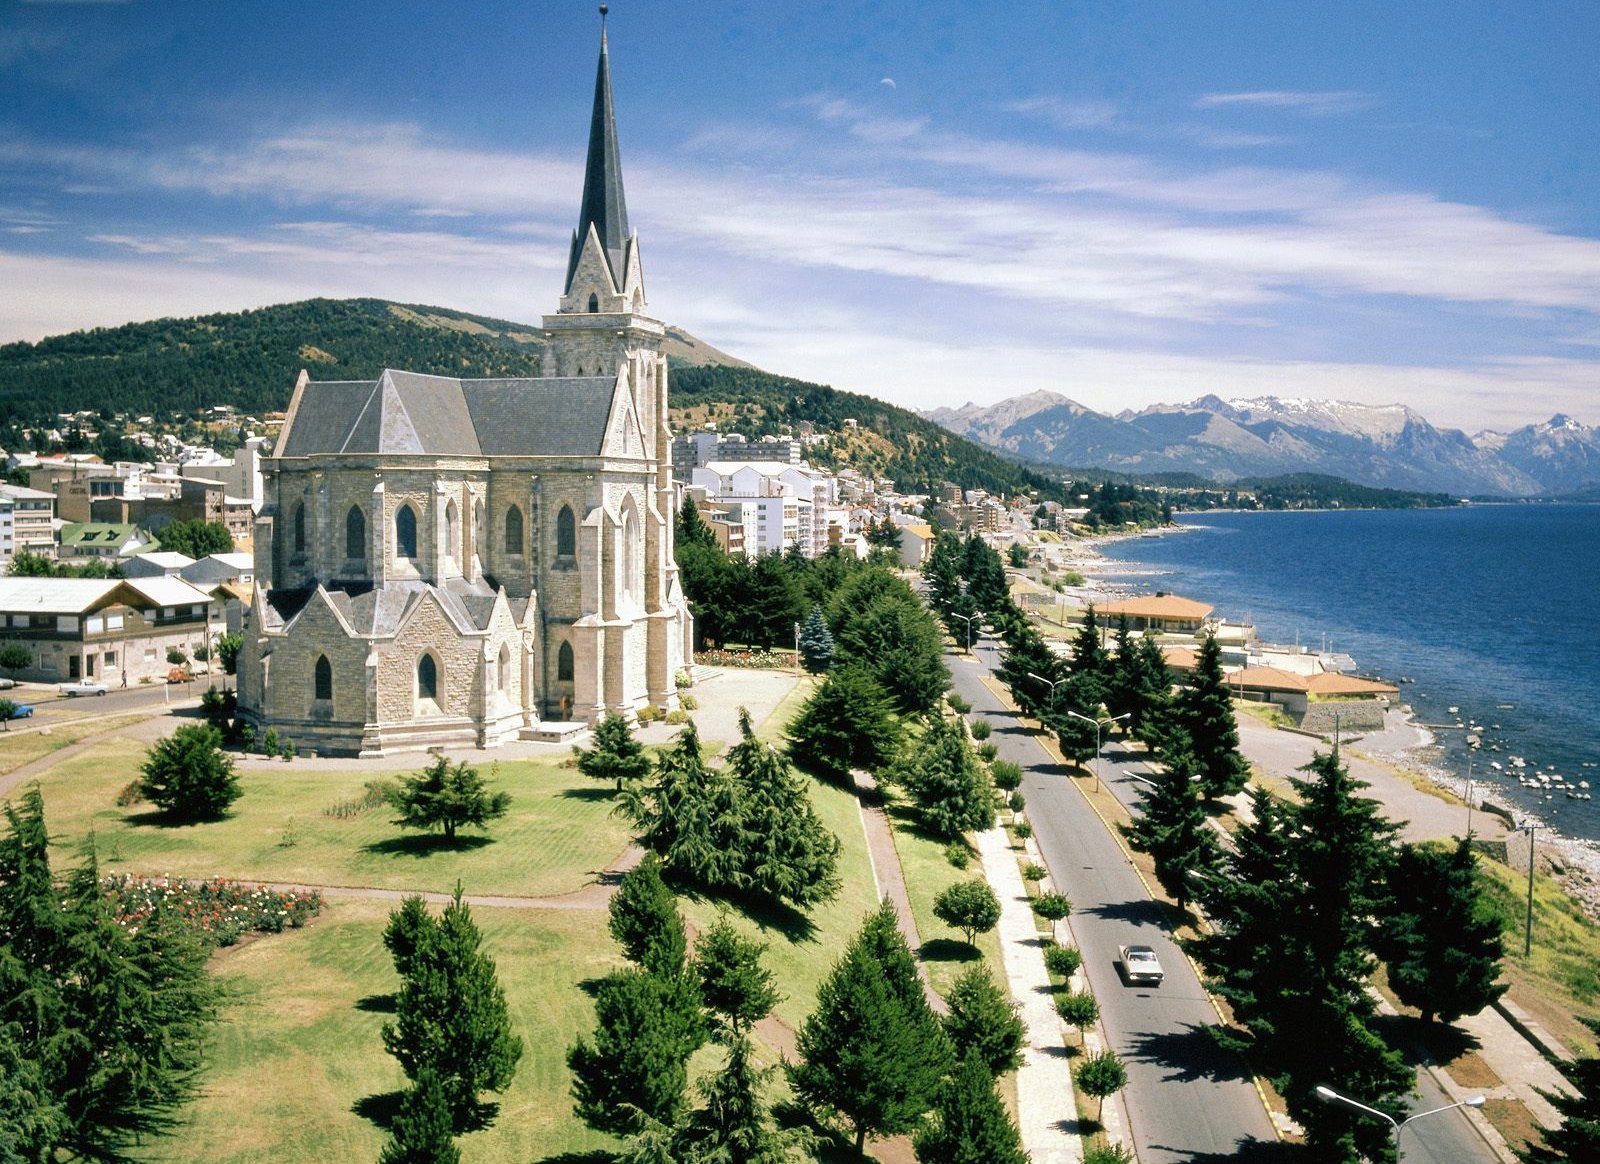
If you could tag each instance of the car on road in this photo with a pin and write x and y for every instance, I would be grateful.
(83, 687)
(21, 710)
(1141, 967)
(7, 684)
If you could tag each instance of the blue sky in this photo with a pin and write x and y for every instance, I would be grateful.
(932, 202)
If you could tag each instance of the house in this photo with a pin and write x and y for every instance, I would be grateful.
(1163, 613)
(111, 541)
(162, 563)
(916, 543)
(218, 568)
(27, 522)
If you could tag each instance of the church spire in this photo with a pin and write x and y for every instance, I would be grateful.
(604, 206)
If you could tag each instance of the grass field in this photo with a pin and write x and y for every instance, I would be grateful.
(928, 873)
(558, 834)
(297, 1068)
(21, 747)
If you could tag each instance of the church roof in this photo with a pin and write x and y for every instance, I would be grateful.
(604, 206)
(410, 413)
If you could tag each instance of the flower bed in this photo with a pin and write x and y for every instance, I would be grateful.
(218, 912)
(766, 660)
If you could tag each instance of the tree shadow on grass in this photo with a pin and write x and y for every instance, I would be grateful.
(589, 794)
(769, 915)
(948, 950)
(161, 819)
(379, 1110)
(425, 845)
(377, 1004)
(597, 1156)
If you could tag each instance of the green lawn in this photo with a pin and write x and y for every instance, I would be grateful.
(19, 746)
(928, 873)
(297, 1057)
(557, 836)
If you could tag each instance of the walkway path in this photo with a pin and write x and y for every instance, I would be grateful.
(889, 879)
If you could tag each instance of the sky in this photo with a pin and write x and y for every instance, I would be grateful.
(931, 202)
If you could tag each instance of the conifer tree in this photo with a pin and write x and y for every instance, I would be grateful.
(636, 1069)
(1578, 1136)
(447, 797)
(1172, 826)
(942, 572)
(1088, 652)
(692, 529)
(894, 640)
(1206, 714)
(423, 1131)
(735, 987)
(847, 723)
(985, 574)
(189, 776)
(816, 643)
(1442, 950)
(690, 816)
(970, 1124)
(645, 922)
(1027, 656)
(983, 1022)
(1077, 736)
(791, 857)
(950, 789)
(734, 1125)
(872, 1049)
(1155, 708)
(411, 929)
(616, 755)
(1125, 676)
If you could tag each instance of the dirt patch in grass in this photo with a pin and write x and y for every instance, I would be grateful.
(1512, 1120)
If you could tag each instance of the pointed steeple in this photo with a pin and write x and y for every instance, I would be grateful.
(604, 206)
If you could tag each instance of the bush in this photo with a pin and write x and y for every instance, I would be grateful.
(247, 737)
(1107, 1154)
(132, 793)
(269, 743)
(688, 703)
(188, 776)
(1078, 1009)
(957, 855)
(1063, 961)
(1033, 871)
(677, 716)
(1006, 775)
(287, 750)
(649, 713)
(176, 657)
(988, 752)
(1017, 802)
(969, 906)
(957, 704)
(1052, 906)
(981, 729)
(376, 792)
(1022, 829)
(682, 680)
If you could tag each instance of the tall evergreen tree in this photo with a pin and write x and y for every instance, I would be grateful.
(616, 755)
(735, 987)
(983, 1022)
(942, 572)
(847, 723)
(816, 643)
(1578, 1136)
(645, 922)
(970, 1124)
(895, 640)
(1027, 656)
(447, 797)
(1071, 714)
(1174, 829)
(1206, 713)
(189, 776)
(1088, 652)
(689, 816)
(636, 1069)
(1442, 950)
(792, 857)
(423, 1131)
(692, 529)
(872, 1049)
(1154, 705)
(1125, 675)
(734, 1125)
(949, 788)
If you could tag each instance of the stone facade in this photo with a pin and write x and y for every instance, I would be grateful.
(442, 561)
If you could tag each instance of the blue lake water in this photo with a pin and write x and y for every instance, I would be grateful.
(1482, 606)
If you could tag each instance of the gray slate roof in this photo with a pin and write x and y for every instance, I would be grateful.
(378, 611)
(407, 412)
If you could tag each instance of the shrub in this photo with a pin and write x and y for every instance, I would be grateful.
(957, 855)
(1033, 871)
(682, 679)
(176, 657)
(988, 752)
(1107, 1154)
(957, 704)
(1078, 1009)
(649, 713)
(247, 737)
(1006, 775)
(1052, 906)
(188, 776)
(376, 792)
(981, 729)
(269, 743)
(688, 703)
(1017, 802)
(1063, 961)
(677, 716)
(1022, 829)
(287, 751)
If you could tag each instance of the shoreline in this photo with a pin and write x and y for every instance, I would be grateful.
(1575, 863)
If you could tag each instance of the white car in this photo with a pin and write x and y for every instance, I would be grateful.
(7, 684)
(1141, 967)
(83, 687)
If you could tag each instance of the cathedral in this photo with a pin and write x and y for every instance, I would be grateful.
(444, 562)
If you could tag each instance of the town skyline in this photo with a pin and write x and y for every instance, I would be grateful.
(966, 205)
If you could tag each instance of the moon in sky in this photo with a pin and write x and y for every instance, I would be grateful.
(889, 81)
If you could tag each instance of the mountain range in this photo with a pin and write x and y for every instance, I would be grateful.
(1384, 446)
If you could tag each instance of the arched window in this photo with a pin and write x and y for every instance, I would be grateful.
(594, 303)
(479, 542)
(427, 678)
(452, 530)
(504, 669)
(566, 533)
(629, 558)
(299, 529)
(405, 532)
(323, 683)
(355, 533)
(513, 530)
(564, 663)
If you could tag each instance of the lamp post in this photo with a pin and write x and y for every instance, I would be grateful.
(1527, 940)
(797, 648)
(1330, 1096)
(1469, 798)
(1098, 724)
(968, 619)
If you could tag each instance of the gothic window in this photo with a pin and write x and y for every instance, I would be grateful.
(299, 529)
(629, 558)
(452, 523)
(504, 677)
(427, 678)
(323, 684)
(594, 303)
(566, 533)
(479, 542)
(405, 532)
(355, 533)
(513, 530)
(564, 663)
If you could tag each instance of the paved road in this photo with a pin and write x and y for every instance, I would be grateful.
(117, 701)
(1187, 1101)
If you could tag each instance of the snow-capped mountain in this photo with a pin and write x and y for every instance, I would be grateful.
(1562, 454)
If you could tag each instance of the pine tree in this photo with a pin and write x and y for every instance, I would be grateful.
(871, 1049)
(971, 1124)
(1174, 829)
(1578, 1136)
(1443, 952)
(616, 755)
(1155, 707)
(983, 1022)
(423, 1131)
(734, 986)
(942, 572)
(189, 776)
(969, 906)
(734, 1125)
(451, 1016)
(644, 919)
(792, 857)
(692, 529)
(1026, 665)
(1206, 713)
(816, 643)
(894, 640)
(410, 930)
(636, 1069)
(1076, 733)
(847, 723)
(948, 786)
(1125, 676)
(689, 815)
(446, 797)
(1088, 652)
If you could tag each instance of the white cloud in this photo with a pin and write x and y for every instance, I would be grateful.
(1067, 113)
(1315, 104)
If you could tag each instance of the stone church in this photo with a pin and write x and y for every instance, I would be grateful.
(444, 561)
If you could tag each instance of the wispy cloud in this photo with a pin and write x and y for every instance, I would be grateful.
(1316, 104)
(1066, 113)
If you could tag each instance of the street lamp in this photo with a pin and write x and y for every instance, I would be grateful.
(968, 619)
(1098, 724)
(1050, 683)
(1527, 941)
(797, 648)
(1329, 1095)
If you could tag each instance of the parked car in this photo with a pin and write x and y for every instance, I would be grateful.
(7, 684)
(21, 710)
(83, 687)
(1141, 967)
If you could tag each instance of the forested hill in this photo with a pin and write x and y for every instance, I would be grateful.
(887, 441)
(250, 358)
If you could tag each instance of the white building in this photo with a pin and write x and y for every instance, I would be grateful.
(792, 501)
